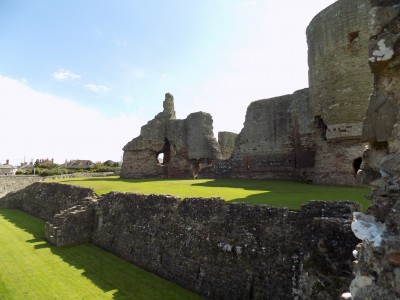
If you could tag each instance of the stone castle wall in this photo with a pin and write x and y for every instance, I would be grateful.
(10, 184)
(45, 200)
(226, 141)
(219, 250)
(185, 144)
(340, 85)
(339, 77)
(312, 135)
(377, 258)
(275, 142)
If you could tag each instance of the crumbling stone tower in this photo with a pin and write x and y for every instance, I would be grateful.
(187, 146)
(340, 84)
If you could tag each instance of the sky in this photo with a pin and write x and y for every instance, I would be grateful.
(78, 78)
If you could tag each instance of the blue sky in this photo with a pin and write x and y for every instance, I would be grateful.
(79, 78)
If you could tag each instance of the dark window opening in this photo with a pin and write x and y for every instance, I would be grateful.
(357, 165)
(321, 126)
(196, 167)
(354, 41)
(164, 156)
(353, 36)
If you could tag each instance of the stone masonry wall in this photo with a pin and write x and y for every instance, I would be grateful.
(377, 258)
(10, 184)
(339, 78)
(233, 251)
(45, 199)
(185, 144)
(334, 162)
(275, 141)
(226, 141)
(219, 250)
(340, 84)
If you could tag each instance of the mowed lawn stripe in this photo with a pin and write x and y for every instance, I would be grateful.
(282, 193)
(32, 269)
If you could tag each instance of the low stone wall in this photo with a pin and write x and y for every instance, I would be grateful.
(219, 250)
(46, 199)
(10, 184)
(78, 175)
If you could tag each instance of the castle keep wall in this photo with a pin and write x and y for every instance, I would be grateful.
(219, 250)
(340, 84)
(275, 141)
(339, 77)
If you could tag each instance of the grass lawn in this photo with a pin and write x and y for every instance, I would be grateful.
(32, 269)
(286, 193)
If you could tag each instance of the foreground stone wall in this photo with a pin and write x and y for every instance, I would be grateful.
(234, 251)
(219, 250)
(10, 184)
(45, 199)
(377, 265)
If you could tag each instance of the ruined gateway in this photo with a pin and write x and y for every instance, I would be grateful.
(312, 135)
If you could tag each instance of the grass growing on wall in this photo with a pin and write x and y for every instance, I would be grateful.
(284, 193)
(32, 269)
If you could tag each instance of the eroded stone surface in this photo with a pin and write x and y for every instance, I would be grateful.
(275, 142)
(219, 250)
(226, 141)
(377, 258)
(340, 85)
(186, 145)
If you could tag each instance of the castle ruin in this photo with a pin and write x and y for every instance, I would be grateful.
(185, 146)
(235, 251)
(313, 134)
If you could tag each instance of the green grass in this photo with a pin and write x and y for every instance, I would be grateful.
(284, 193)
(32, 269)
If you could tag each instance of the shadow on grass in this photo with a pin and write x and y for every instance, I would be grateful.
(289, 193)
(272, 192)
(112, 179)
(107, 271)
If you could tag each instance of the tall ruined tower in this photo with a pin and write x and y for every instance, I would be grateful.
(340, 84)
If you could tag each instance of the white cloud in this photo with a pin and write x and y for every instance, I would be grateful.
(97, 88)
(38, 125)
(62, 75)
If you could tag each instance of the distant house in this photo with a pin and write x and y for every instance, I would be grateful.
(46, 161)
(78, 164)
(7, 169)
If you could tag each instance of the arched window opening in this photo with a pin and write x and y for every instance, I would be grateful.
(164, 156)
(321, 126)
(160, 157)
(357, 165)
